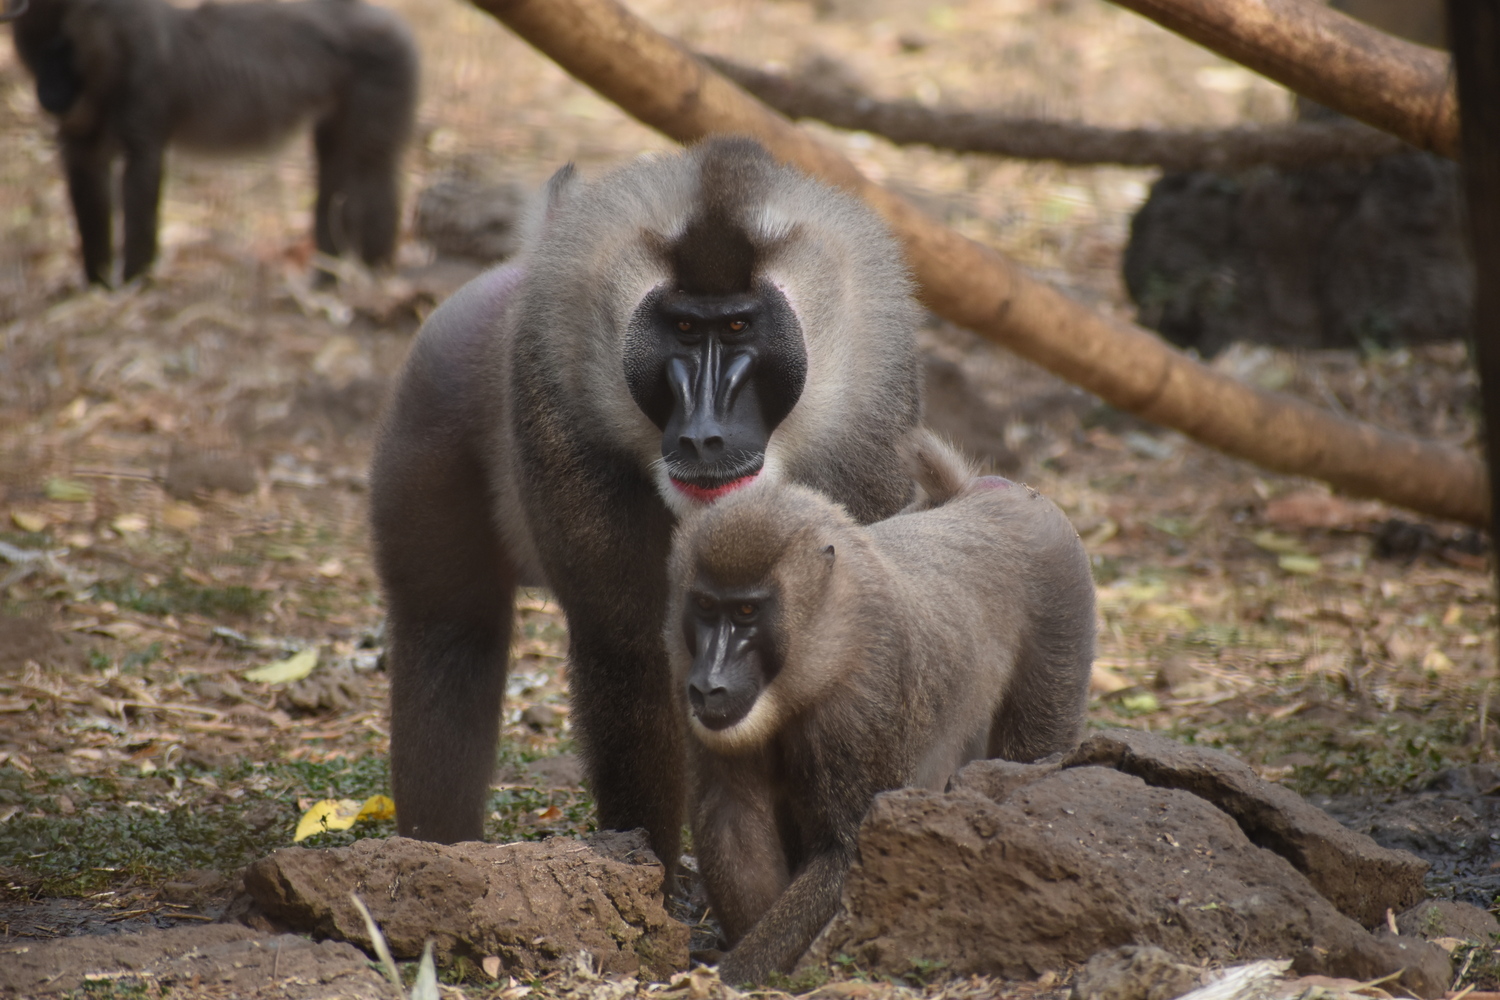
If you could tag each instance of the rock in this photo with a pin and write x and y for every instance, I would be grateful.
(1134, 972)
(1078, 861)
(996, 779)
(1357, 875)
(535, 905)
(221, 958)
(1334, 255)
(473, 219)
(191, 471)
(1440, 918)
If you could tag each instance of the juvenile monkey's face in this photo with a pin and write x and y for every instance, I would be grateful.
(731, 635)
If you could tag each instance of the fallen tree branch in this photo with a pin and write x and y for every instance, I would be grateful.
(821, 96)
(1397, 86)
(659, 82)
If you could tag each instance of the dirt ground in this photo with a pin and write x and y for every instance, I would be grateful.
(182, 491)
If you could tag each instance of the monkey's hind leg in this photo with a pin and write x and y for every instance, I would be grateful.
(87, 163)
(450, 593)
(141, 199)
(358, 150)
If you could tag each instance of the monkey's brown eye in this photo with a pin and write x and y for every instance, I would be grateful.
(737, 325)
(746, 610)
(704, 603)
(684, 325)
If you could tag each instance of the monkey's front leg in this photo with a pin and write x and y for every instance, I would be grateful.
(738, 841)
(788, 928)
(141, 195)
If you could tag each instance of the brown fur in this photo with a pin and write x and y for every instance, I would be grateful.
(127, 77)
(514, 453)
(908, 647)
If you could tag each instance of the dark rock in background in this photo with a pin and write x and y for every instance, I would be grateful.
(1331, 256)
(471, 219)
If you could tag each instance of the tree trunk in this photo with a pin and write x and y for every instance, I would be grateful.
(1474, 35)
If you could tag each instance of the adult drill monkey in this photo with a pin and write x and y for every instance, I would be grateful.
(682, 326)
(820, 662)
(126, 77)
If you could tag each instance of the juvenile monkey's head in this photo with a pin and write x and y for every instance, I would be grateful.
(749, 576)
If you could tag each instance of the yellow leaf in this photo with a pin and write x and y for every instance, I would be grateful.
(293, 668)
(1144, 702)
(377, 807)
(129, 524)
(328, 814)
(181, 516)
(1437, 661)
(341, 814)
(1272, 541)
(68, 489)
(28, 520)
(1304, 564)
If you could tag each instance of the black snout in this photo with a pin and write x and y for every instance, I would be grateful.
(719, 706)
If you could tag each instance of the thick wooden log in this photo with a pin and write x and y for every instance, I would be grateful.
(663, 85)
(1397, 86)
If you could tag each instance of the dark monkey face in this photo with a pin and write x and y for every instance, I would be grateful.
(730, 634)
(717, 373)
(714, 356)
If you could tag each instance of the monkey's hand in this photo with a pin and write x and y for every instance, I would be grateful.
(786, 931)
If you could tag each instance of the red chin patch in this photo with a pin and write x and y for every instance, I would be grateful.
(701, 494)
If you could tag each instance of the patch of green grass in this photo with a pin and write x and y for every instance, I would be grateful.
(803, 981)
(179, 596)
(160, 825)
(1388, 753)
(141, 658)
(125, 988)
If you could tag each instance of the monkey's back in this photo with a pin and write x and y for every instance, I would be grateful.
(1001, 603)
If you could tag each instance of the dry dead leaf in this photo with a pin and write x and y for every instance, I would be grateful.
(1104, 681)
(1316, 509)
(29, 520)
(293, 668)
(181, 516)
(129, 524)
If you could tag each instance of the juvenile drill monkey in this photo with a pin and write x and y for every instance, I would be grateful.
(127, 77)
(672, 331)
(820, 662)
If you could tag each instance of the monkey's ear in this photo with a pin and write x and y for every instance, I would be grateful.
(828, 553)
(559, 184)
